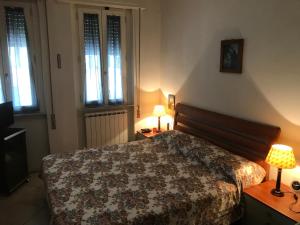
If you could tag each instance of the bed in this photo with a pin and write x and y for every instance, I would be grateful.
(192, 175)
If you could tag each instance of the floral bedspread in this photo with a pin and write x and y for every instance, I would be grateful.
(158, 181)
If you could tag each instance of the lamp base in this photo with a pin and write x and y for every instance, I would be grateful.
(277, 193)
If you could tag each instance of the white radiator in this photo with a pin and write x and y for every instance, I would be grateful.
(105, 128)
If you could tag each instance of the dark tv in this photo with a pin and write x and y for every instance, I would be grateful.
(6, 115)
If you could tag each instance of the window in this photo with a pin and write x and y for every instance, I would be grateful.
(92, 53)
(1, 94)
(114, 59)
(103, 49)
(17, 69)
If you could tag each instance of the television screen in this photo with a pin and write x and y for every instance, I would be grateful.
(6, 114)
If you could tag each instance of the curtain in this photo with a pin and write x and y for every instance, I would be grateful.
(115, 89)
(93, 83)
(23, 89)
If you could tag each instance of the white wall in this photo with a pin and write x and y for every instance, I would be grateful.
(65, 136)
(268, 89)
(150, 61)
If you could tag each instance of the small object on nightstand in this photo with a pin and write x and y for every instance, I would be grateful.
(140, 136)
(282, 157)
(146, 130)
(296, 185)
(262, 208)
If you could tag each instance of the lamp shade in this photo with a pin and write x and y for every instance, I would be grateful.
(281, 156)
(159, 110)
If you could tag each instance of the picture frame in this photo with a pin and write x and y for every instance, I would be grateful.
(231, 60)
(171, 102)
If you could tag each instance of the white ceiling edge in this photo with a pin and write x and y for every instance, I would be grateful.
(126, 4)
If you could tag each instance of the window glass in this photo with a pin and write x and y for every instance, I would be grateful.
(92, 51)
(115, 88)
(23, 93)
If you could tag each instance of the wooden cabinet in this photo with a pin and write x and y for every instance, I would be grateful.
(262, 208)
(13, 159)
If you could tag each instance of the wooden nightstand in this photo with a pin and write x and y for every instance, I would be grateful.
(262, 208)
(140, 136)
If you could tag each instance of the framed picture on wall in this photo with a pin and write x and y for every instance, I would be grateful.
(232, 56)
(171, 102)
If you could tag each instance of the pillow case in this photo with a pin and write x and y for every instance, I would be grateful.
(242, 171)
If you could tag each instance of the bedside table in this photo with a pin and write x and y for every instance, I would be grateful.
(263, 208)
(140, 136)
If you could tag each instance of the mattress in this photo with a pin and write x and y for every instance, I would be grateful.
(173, 178)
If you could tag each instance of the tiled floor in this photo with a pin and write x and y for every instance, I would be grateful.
(25, 206)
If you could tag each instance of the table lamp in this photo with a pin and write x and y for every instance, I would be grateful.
(159, 110)
(282, 157)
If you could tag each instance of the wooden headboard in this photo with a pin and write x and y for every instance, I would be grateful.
(249, 139)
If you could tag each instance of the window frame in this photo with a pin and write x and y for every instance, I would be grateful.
(34, 43)
(102, 18)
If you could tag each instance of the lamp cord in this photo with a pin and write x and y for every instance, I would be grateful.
(294, 202)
